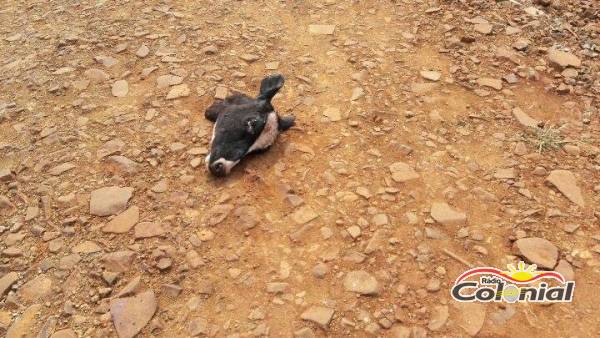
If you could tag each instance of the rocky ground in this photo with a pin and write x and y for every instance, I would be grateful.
(431, 136)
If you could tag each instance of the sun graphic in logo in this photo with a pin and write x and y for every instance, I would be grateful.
(521, 274)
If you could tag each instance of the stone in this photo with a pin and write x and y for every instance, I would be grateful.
(210, 50)
(96, 75)
(61, 168)
(178, 91)
(168, 80)
(120, 88)
(524, 119)
(23, 325)
(321, 29)
(438, 318)
(148, 229)
(563, 59)
(490, 82)
(564, 268)
(143, 51)
(131, 288)
(7, 281)
(442, 213)
(305, 332)
(131, 315)
(505, 173)
(333, 114)
(470, 316)
(123, 222)
(277, 287)
(109, 200)
(566, 183)
(160, 186)
(483, 28)
(319, 315)
(246, 217)
(217, 214)
(110, 147)
(377, 241)
(537, 251)
(521, 44)
(65, 333)
(123, 164)
(36, 290)
(304, 214)
(197, 327)
(119, 261)
(221, 93)
(86, 247)
(402, 172)
(250, 58)
(361, 282)
(431, 75)
(6, 175)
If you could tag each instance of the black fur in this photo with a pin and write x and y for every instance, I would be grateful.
(240, 121)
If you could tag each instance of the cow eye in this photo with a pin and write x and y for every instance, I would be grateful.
(251, 126)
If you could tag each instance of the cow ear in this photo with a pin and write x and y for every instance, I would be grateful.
(214, 110)
(269, 86)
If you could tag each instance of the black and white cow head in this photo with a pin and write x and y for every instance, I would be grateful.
(244, 125)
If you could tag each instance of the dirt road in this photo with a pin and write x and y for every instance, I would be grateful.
(431, 136)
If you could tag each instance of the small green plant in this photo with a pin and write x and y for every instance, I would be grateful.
(547, 138)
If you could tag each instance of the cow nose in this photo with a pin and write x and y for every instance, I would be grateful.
(217, 169)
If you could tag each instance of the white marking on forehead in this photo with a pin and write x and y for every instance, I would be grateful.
(268, 134)
(228, 165)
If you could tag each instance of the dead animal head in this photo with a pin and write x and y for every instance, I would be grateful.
(244, 125)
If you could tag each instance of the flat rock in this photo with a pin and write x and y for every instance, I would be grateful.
(304, 215)
(564, 268)
(36, 290)
(148, 229)
(321, 29)
(538, 251)
(442, 213)
(249, 57)
(109, 200)
(318, 314)
(402, 172)
(470, 316)
(110, 147)
(217, 214)
(130, 315)
(168, 80)
(563, 59)
(120, 88)
(505, 173)
(143, 51)
(431, 75)
(490, 82)
(524, 119)
(178, 91)
(566, 183)
(23, 325)
(96, 75)
(118, 261)
(333, 114)
(7, 281)
(61, 168)
(483, 28)
(439, 317)
(361, 282)
(123, 164)
(86, 247)
(65, 333)
(124, 221)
